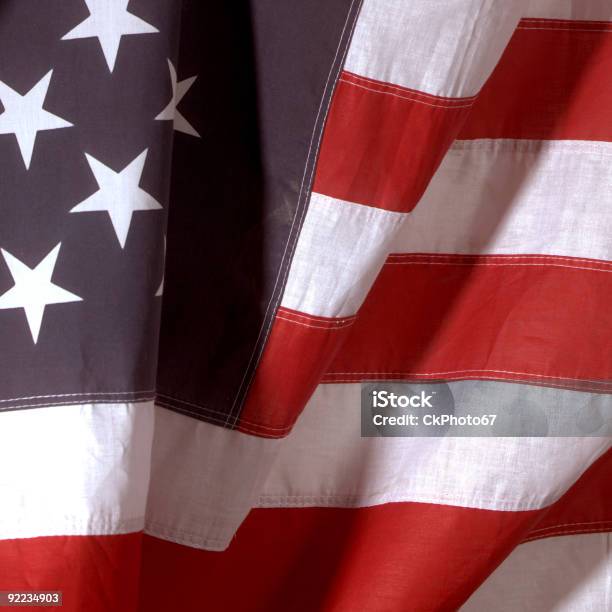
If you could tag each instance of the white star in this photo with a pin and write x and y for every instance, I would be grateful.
(160, 289)
(170, 113)
(119, 194)
(24, 115)
(108, 21)
(33, 289)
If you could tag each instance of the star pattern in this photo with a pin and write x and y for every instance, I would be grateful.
(33, 289)
(25, 116)
(170, 113)
(119, 195)
(108, 21)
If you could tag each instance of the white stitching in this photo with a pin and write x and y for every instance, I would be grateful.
(563, 29)
(390, 93)
(564, 21)
(181, 536)
(494, 378)
(529, 146)
(519, 265)
(560, 533)
(47, 405)
(464, 372)
(570, 525)
(411, 92)
(267, 327)
(29, 397)
(331, 327)
(396, 495)
(504, 257)
(292, 313)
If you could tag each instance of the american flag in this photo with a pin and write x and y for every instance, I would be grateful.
(219, 219)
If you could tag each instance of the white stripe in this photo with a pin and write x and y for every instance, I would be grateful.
(583, 10)
(516, 197)
(88, 470)
(442, 47)
(562, 574)
(84, 470)
(74, 470)
(339, 253)
(325, 462)
(204, 480)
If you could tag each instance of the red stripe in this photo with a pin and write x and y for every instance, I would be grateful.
(531, 318)
(392, 557)
(564, 24)
(585, 508)
(298, 350)
(95, 573)
(552, 82)
(405, 556)
(382, 143)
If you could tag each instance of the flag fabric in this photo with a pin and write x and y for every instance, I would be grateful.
(219, 219)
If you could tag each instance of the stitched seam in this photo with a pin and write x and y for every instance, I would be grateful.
(573, 532)
(181, 536)
(552, 527)
(563, 21)
(85, 394)
(410, 99)
(469, 372)
(382, 87)
(47, 404)
(514, 145)
(505, 257)
(256, 429)
(315, 318)
(563, 29)
(328, 327)
(212, 544)
(472, 264)
(494, 378)
(100, 519)
(396, 496)
(265, 328)
(407, 90)
(177, 530)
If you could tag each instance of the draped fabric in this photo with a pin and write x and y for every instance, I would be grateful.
(219, 219)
